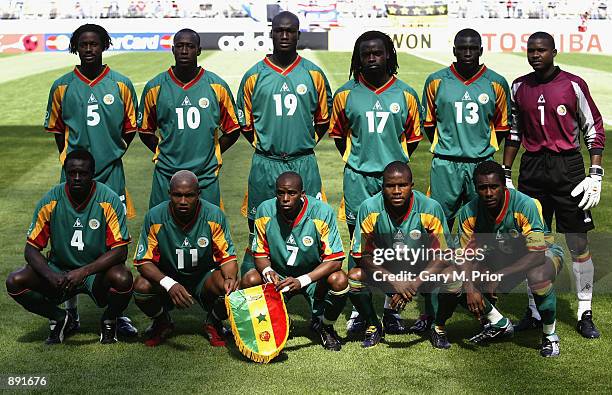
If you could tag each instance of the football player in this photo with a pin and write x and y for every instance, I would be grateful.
(297, 247)
(551, 107)
(185, 255)
(193, 109)
(86, 224)
(375, 120)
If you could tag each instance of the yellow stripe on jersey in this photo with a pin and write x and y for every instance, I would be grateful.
(149, 111)
(262, 248)
(434, 227)
(323, 229)
(227, 117)
(322, 112)
(114, 238)
(249, 86)
(347, 151)
(39, 235)
(413, 122)
(149, 255)
(55, 115)
(257, 308)
(501, 117)
(64, 152)
(217, 151)
(404, 144)
(219, 243)
(129, 112)
(430, 102)
(434, 142)
(367, 229)
(338, 123)
(534, 240)
(467, 231)
(493, 140)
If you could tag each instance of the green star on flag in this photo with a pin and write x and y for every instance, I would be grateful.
(261, 318)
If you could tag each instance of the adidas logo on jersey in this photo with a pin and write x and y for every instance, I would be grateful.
(92, 99)
(377, 106)
(541, 99)
(285, 88)
(77, 223)
(291, 240)
(186, 102)
(466, 96)
(186, 243)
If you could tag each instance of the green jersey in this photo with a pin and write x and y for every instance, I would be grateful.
(518, 229)
(189, 117)
(81, 233)
(377, 123)
(185, 252)
(281, 106)
(424, 222)
(93, 115)
(466, 114)
(297, 248)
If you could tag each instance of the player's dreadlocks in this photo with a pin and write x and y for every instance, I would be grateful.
(89, 27)
(543, 36)
(81, 154)
(489, 167)
(392, 64)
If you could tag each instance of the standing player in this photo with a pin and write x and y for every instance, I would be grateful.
(401, 215)
(551, 108)
(284, 103)
(85, 222)
(189, 106)
(507, 229)
(375, 120)
(185, 255)
(297, 247)
(467, 110)
(94, 108)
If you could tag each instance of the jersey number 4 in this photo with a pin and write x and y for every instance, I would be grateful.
(77, 240)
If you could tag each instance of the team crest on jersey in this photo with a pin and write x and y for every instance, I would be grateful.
(350, 215)
(203, 102)
(301, 89)
(483, 98)
(394, 108)
(307, 241)
(291, 240)
(186, 102)
(514, 233)
(77, 223)
(285, 88)
(541, 99)
(203, 242)
(186, 243)
(94, 223)
(108, 99)
(561, 110)
(466, 96)
(377, 106)
(415, 234)
(92, 99)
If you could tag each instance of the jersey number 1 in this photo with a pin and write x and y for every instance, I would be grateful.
(180, 258)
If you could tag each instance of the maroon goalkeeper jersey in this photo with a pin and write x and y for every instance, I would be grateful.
(549, 115)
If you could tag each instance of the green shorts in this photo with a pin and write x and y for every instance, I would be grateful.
(451, 185)
(86, 287)
(265, 170)
(358, 187)
(161, 185)
(196, 290)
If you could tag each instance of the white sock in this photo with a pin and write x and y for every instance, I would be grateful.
(583, 277)
(494, 316)
(354, 313)
(532, 306)
(72, 303)
(549, 329)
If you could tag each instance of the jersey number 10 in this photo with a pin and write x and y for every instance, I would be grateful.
(193, 118)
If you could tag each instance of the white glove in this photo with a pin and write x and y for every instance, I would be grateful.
(591, 187)
(508, 174)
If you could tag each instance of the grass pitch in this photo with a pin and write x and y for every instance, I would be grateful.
(187, 363)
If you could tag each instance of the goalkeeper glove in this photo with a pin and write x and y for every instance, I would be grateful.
(591, 187)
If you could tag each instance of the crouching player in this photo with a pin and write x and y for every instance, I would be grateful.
(85, 221)
(506, 229)
(397, 215)
(185, 255)
(297, 247)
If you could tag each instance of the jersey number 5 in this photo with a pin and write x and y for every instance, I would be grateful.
(93, 118)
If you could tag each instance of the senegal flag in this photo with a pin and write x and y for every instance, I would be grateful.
(259, 321)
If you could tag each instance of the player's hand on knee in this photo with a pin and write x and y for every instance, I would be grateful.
(398, 302)
(288, 284)
(57, 280)
(475, 302)
(230, 285)
(180, 296)
(270, 276)
(590, 187)
(74, 278)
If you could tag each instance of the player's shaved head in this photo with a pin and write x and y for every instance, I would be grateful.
(489, 167)
(183, 177)
(291, 178)
(188, 32)
(465, 33)
(286, 16)
(398, 167)
(543, 36)
(81, 154)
